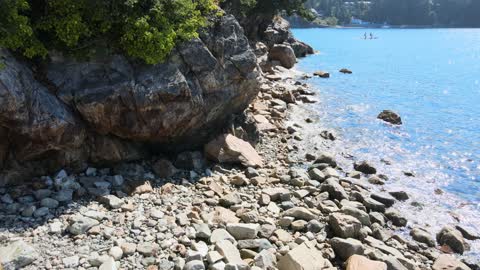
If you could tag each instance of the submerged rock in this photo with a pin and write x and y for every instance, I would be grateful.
(345, 71)
(390, 117)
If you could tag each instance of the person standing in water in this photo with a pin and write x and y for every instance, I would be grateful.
(371, 35)
(365, 35)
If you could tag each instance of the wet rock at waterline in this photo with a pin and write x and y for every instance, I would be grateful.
(453, 238)
(467, 234)
(301, 49)
(322, 74)
(284, 54)
(390, 117)
(364, 167)
(328, 135)
(278, 32)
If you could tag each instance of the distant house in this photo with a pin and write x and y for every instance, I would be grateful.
(356, 21)
(358, 3)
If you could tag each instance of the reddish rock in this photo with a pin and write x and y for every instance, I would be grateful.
(448, 262)
(146, 187)
(230, 149)
(357, 262)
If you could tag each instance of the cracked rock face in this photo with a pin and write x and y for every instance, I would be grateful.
(111, 109)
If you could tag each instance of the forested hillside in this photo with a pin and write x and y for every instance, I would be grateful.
(459, 13)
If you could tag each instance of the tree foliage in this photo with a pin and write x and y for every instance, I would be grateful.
(402, 12)
(267, 7)
(427, 12)
(336, 11)
(143, 29)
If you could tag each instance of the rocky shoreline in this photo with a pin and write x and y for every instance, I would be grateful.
(280, 211)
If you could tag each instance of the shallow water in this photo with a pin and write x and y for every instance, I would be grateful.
(431, 77)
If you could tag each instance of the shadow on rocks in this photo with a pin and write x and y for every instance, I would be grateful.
(48, 199)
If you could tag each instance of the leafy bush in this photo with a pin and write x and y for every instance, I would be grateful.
(144, 29)
(268, 7)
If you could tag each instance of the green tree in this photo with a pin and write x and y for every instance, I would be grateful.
(267, 7)
(143, 29)
(403, 12)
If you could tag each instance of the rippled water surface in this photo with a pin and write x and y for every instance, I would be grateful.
(431, 77)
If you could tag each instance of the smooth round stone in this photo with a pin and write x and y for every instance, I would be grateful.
(40, 212)
(49, 203)
(116, 253)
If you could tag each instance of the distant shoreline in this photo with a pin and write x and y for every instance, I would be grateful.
(383, 27)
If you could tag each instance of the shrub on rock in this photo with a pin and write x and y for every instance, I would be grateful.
(147, 30)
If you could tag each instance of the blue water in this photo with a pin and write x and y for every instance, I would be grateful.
(431, 77)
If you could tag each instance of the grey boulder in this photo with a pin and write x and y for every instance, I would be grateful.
(110, 109)
(283, 53)
(17, 255)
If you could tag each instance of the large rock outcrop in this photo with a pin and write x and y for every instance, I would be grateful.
(278, 32)
(67, 113)
(277, 46)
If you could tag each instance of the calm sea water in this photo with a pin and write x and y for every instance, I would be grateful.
(431, 77)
